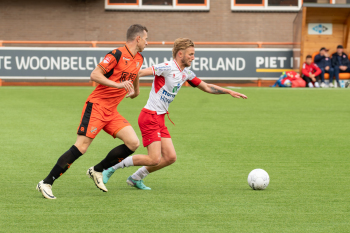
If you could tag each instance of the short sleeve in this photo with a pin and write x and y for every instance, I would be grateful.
(161, 69)
(192, 79)
(110, 61)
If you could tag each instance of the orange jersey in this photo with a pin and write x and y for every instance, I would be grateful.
(119, 66)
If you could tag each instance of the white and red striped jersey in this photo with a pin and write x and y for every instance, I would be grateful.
(168, 79)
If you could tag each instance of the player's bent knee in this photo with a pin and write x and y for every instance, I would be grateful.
(82, 148)
(172, 159)
(155, 161)
(133, 144)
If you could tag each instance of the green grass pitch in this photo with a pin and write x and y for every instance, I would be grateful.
(299, 136)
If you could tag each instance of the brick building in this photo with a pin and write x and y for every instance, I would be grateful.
(90, 20)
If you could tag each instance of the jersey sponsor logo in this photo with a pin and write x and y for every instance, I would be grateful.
(107, 60)
(126, 60)
(127, 77)
(176, 88)
(167, 97)
(161, 68)
(93, 130)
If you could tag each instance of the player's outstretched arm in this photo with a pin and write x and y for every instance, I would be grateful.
(146, 72)
(97, 75)
(213, 89)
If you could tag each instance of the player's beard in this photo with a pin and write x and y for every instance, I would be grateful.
(184, 62)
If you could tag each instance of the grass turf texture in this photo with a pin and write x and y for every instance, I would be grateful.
(300, 137)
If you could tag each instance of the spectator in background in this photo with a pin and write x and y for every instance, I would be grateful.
(340, 63)
(310, 72)
(323, 61)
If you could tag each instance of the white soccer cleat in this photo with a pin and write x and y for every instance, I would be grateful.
(331, 85)
(323, 85)
(317, 85)
(310, 85)
(45, 190)
(97, 178)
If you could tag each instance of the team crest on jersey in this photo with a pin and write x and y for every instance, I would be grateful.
(183, 77)
(173, 75)
(93, 130)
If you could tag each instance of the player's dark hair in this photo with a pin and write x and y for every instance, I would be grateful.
(134, 31)
(308, 56)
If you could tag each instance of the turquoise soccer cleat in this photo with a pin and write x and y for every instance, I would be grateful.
(137, 184)
(106, 174)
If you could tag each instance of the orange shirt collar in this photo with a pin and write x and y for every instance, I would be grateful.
(129, 51)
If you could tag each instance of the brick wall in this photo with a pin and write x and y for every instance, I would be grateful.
(88, 20)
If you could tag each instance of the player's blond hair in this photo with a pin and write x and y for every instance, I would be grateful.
(181, 44)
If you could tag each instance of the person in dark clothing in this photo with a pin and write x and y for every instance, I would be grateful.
(340, 63)
(323, 61)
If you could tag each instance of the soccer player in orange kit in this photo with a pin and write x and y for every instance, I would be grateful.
(115, 76)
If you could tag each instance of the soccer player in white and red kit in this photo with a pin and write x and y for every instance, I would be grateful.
(169, 77)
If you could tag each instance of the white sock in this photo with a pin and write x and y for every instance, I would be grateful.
(140, 174)
(127, 162)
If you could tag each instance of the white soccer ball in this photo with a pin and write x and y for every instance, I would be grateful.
(258, 179)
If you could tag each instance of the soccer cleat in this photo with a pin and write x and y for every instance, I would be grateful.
(137, 184)
(347, 84)
(45, 190)
(331, 85)
(106, 174)
(323, 85)
(97, 178)
(317, 85)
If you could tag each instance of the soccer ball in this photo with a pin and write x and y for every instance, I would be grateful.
(258, 179)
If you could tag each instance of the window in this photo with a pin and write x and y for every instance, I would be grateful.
(282, 2)
(249, 2)
(273, 5)
(165, 5)
(158, 2)
(341, 1)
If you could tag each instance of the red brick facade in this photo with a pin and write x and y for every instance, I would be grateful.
(88, 20)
